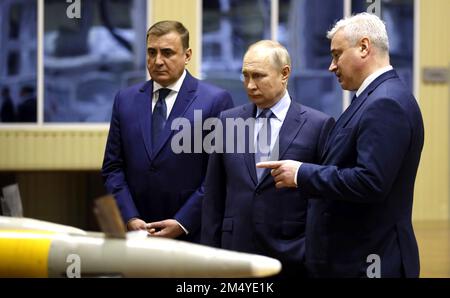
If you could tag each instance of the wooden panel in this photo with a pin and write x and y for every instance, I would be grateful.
(188, 13)
(64, 197)
(432, 187)
(53, 196)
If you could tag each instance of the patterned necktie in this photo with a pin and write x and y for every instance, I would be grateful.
(159, 116)
(263, 140)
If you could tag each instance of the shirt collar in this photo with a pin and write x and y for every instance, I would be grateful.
(372, 78)
(176, 86)
(280, 109)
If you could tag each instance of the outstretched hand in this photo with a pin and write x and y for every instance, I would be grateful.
(283, 171)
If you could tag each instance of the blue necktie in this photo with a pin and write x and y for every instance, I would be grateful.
(159, 116)
(262, 150)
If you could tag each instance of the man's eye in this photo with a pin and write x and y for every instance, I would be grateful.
(167, 53)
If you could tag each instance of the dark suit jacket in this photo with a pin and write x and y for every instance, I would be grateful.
(158, 185)
(363, 192)
(243, 215)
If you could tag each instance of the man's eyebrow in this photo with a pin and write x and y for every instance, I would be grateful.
(335, 52)
(162, 49)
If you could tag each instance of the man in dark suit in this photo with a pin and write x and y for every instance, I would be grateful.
(155, 188)
(242, 210)
(359, 218)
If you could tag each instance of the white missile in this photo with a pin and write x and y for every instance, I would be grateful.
(49, 252)
(23, 223)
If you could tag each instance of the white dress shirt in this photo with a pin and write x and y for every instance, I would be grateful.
(279, 111)
(171, 97)
(372, 78)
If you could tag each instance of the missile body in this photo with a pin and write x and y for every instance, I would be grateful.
(39, 253)
(23, 223)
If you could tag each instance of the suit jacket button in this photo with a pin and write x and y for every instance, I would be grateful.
(258, 192)
(152, 169)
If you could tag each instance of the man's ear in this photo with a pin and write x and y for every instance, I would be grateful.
(285, 72)
(188, 55)
(364, 47)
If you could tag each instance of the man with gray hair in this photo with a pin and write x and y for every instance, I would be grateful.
(242, 209)
(359, 217)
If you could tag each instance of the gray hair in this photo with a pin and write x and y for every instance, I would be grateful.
(363, 25)
(279, 55)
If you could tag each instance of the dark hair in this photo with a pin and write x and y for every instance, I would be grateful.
(163, 27)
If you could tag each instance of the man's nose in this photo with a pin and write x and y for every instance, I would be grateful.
(332, 67)
(251, 84)
(159, 59)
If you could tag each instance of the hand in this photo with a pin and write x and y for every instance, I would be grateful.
(283, 171)
(168, 228)
(136, 224)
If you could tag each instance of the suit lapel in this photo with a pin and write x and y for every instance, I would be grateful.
(143, 105)
(184, 98)
(294, 121)
(355, 106)
(292, 124)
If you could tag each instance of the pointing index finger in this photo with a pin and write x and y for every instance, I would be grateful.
(269, 164)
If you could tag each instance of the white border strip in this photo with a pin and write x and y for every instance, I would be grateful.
(149, 22)
(40, 63)
(57, 127)
(274, 18)
(347, 8)
(199, 32)
(345, 93)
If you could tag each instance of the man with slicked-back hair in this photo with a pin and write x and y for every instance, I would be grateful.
(155, 188)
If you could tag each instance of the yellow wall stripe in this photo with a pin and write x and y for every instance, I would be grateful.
(52, 149)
